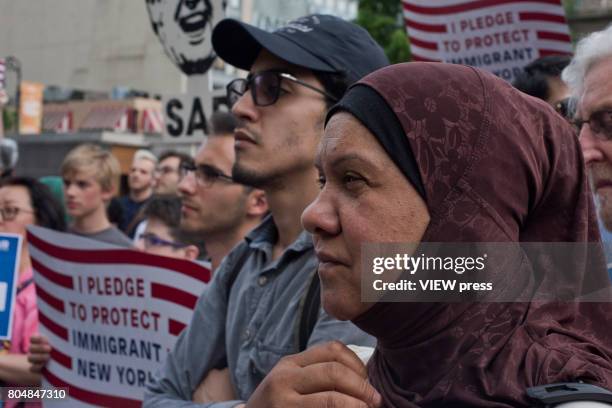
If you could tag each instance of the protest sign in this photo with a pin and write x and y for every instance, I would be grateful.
(10, 249)
(111, 315)
(500, 36)
(186, 115)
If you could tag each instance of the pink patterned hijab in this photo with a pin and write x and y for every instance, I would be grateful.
(495, 166)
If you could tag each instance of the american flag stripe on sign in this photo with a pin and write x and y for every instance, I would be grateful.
(110, 314)
(500, 36)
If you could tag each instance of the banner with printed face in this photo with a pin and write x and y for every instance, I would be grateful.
(500, 36)
(10, 249)
(111, 315)
(184, 29)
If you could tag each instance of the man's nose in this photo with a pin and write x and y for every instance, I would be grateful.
(244, 109)
(590, 145)
(186, 185)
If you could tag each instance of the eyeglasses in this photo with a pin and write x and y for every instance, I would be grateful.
(265, 87)
(151, 240)
(600, 123)
(205, 175)
(565, 108)
(165, 170)
(10, 213)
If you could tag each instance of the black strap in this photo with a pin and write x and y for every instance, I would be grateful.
(24, 285)
(309, 311)
(232, 278)
(550, 394)
(236, 270)
(310, 303)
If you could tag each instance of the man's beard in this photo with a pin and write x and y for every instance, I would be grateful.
(250, 178)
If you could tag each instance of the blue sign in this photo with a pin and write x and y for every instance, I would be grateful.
(10, 249)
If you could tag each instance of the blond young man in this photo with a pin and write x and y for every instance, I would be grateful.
(91, 175)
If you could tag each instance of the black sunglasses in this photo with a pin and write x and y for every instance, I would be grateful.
(265, 87)
(600, 123)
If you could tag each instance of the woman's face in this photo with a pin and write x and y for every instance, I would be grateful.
(364, 198)
(16, 211)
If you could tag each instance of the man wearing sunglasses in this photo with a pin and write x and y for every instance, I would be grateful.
(589, 77)
(250, 316)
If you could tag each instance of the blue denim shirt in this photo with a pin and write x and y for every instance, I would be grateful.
(252, 329)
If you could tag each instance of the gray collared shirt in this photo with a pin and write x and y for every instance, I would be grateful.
(253, 329)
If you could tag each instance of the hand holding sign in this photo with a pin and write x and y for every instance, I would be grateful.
(39, 353)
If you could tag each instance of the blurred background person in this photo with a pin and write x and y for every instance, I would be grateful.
(167, 177)
(91, 176)
(140, 188)
(9, 154)
(542, 79)
(215, 207)
(167, 171)
(163, 234)
(24, 201)
(114, 212)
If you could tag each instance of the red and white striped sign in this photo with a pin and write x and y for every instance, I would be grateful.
(111, 314)
(57, 121)
(2, 72)
(152, 121)
(500, 36)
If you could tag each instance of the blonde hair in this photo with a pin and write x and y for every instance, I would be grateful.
(106, 166)
(144, 154)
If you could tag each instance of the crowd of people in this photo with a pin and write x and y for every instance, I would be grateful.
(328, 147)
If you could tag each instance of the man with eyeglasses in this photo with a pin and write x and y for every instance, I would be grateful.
(589, 77)
(215, 207)
(167, 171)
(252, 313)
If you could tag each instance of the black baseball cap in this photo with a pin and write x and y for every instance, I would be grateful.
(318, 42)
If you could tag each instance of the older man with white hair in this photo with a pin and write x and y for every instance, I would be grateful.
(589, 77)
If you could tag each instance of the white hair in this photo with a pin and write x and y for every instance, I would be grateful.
(144, 154)
(591, 49)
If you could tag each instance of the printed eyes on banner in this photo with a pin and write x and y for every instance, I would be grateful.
(184, 28)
